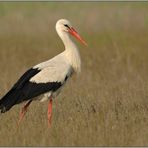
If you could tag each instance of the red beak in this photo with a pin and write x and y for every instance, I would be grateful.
(73, 32)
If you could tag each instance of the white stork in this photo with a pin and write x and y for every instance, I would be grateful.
(46, 78)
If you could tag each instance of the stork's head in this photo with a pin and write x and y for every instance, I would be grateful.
(64, 26)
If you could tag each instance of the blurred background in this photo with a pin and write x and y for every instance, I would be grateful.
(106, 105)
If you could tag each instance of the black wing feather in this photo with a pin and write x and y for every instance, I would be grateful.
(15, 92)
(25, 77)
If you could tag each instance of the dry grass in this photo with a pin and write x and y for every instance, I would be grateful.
(107, 105)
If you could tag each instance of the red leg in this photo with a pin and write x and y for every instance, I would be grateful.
(49, 113)
(23, 111)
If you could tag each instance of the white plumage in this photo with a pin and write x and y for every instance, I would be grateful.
(47, 77)
(53, 70)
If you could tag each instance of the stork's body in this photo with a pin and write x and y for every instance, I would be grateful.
(46, 78)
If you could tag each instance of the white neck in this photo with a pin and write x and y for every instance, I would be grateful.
(71, 51)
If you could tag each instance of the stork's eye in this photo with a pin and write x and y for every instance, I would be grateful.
(66, 25)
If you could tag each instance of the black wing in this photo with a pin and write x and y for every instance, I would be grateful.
(15, 93)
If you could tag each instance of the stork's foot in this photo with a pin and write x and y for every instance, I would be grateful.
(49, 113)
(23, 111)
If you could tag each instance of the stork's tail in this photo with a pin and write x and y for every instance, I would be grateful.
(8, 100)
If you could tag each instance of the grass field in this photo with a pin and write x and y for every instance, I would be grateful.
(107, 104)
